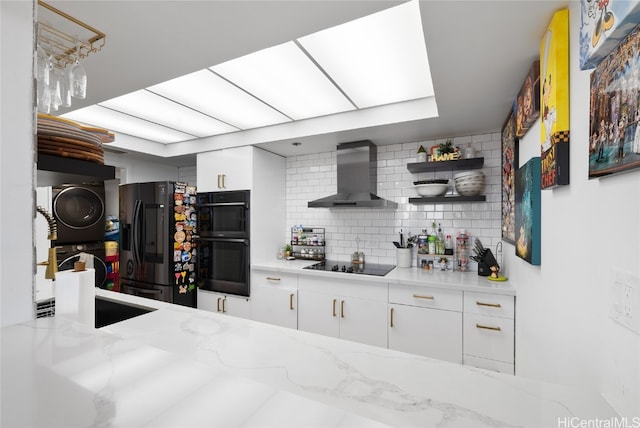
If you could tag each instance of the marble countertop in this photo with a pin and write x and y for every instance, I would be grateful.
(467, 281)
(181, 367)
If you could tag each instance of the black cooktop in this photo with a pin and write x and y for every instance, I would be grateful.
(347, 267)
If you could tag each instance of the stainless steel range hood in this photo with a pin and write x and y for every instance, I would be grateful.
(357, 179)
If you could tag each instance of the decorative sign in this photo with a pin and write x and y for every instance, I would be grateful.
(604, 24)
(554, 125)
(528, 211)
(615, 110)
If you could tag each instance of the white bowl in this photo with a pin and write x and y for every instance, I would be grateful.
(469, 183)
(432, 189)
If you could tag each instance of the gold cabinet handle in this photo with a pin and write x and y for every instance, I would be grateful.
(492, 305)
(391, 318)
(223, 308)
(418, 296)
(224, 186)
(334, 307)
(486, 327)
(341, 308)
(272, 278)
(219, 186)
(219, 304)
(291, 302)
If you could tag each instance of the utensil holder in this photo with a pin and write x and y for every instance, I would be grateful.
(403, 257)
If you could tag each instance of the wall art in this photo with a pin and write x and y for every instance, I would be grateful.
(509, 166)
(528, 101)
(554, 97)
(527, 209)
(604, 24)
(614, 115)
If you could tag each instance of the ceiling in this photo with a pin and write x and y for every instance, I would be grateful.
(479, 53)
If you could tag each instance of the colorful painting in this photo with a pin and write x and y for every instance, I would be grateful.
(509, 166)
(554, 88)
(528, 211)
(604, 24)
(528, 101)
(615, 110)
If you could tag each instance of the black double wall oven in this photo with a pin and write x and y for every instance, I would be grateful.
(223, 242)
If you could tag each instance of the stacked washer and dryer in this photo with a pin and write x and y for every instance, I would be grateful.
(79, 210)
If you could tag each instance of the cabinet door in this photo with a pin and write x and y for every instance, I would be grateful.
(227, 169)
(236, 307)
(210, 301)
(363, 320)
(433, 333)
(274, 298)
(318, 313)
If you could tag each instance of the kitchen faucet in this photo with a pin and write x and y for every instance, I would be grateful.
(52, 262)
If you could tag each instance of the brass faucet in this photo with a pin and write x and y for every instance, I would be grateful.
(52, 262)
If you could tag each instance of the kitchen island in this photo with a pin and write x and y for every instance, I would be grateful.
(178, 366)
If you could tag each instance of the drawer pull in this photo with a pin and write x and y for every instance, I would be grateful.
(493, 305)
(272, 278)
(342, 309)
(486, 327)
(334, 307)
(224, 310)
(218, 306)
(391, 318)
(291, 301)
(418, 296)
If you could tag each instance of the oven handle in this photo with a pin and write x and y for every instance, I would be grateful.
(143, 290)
(235, 240)
(224, 204)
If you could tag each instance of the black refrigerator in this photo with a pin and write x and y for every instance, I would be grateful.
(158, 222)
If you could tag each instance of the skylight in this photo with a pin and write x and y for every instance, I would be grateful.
(373, 61)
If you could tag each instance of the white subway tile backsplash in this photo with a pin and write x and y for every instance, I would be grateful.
(313, 176)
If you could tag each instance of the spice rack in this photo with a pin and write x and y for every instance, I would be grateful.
(308, 243)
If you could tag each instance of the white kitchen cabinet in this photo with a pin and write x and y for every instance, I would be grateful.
(261, 172)
(226, 169)
(489, 331)
(274, 298)
(227, 304)
(352, 310)
(426, 321)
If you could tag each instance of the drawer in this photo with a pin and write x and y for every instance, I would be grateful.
(489, 304)
(273, 279)
(426, 297)
(484, 363)
(357, 288)
(488, 337)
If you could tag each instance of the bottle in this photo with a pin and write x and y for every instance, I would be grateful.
(448, 246)
(440, 240)
(433, 237)
(423, 242)
(462, 251)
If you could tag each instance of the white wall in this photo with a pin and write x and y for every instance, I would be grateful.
(16, 162)
(313, 176)
(589, 228)
(137, 169)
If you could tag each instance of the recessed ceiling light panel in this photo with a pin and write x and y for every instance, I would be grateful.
(120, 122)
(149, 106)
(213, 96)
(378, 59)
(285, 78)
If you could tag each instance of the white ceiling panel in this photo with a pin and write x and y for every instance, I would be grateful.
(119, 122)
(285, 78)
(378, 59)
(149, 106)
(213, 96)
